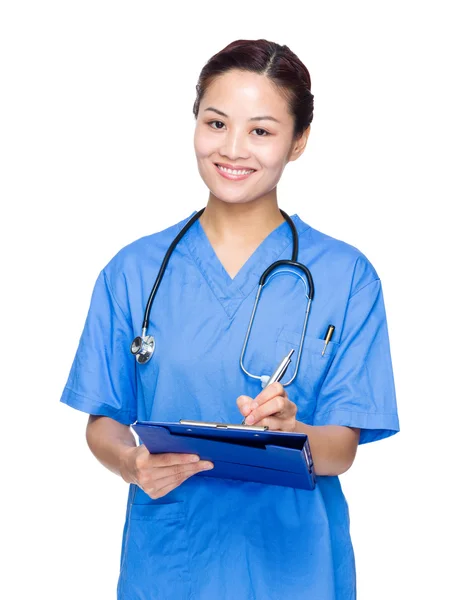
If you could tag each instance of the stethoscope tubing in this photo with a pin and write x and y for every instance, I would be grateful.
(164, 264)
(143, 347)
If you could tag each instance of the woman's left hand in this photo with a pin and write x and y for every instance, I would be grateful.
(271, 407)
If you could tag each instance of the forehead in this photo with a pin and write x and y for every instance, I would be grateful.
(242, 92)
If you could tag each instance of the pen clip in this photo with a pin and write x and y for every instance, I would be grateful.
(328, 337)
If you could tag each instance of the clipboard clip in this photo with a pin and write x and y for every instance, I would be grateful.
(224, 425)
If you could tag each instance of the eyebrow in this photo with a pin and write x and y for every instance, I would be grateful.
(264, 118)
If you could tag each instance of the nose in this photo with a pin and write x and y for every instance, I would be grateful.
(235, 145)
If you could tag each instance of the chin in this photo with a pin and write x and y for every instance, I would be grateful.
(227, 200)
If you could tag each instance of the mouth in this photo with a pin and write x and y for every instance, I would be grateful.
(233, 174)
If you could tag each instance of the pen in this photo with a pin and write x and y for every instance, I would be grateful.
(328, 337)
(278, 373)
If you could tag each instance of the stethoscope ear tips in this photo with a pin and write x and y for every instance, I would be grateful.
(142, 348)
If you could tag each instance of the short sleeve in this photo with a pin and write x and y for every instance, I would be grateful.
(359, 390)
(102, 377)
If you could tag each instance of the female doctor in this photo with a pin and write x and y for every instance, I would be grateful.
(203, 537)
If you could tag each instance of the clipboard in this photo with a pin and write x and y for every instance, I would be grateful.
(243, 452)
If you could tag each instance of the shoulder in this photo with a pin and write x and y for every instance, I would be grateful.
(337, 256)
(128, 264)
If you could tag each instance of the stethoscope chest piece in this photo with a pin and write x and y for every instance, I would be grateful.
(142, 348)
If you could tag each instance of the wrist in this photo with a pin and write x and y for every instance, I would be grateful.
(300, 427)
(124, 456)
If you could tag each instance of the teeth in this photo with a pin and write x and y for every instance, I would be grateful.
(234, 171)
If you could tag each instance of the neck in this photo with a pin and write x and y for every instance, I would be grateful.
(251, 221)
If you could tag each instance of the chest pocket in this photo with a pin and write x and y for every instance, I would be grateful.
(313, 368)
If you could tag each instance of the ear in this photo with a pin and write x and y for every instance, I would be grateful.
(299, 145)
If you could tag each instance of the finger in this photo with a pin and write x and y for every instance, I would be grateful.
(247, 408)
(165, 490)
(271, 407)
(170, 459)
(169, 483)
(270, 391)
(153, 479)
(275, 424)
(172, 485)
(178, 471)
(246, 404)
(243, 401)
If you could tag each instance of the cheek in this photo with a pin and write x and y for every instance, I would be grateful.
(271, 158)
(204, 145)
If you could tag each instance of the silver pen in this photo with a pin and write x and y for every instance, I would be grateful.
(278, 373)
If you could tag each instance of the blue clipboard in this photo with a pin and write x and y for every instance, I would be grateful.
(244, 452)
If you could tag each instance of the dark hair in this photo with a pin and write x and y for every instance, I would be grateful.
(285, 70)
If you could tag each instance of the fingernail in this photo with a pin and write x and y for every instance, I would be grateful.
(253, 405)
(250, 420)
(194, 459)
(206, 466)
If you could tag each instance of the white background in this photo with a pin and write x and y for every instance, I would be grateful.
(96, 151)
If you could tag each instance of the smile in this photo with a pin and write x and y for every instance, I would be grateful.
(234, 174)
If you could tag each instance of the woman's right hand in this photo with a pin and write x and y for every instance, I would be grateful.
(158, 474)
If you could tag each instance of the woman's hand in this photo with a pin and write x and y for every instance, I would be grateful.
(158, 474)
(271, 407)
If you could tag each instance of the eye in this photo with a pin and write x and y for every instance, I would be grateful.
(263, 130)
(210, 123)
(266, 133)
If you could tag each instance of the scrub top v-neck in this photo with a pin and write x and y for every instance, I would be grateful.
(229, 291)
(230, 539)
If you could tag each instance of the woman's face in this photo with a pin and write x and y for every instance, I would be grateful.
(228, 131)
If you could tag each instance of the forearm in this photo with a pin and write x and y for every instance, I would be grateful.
(333, 447)
(108, 441)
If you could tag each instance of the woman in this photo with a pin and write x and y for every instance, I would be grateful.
(205, 537)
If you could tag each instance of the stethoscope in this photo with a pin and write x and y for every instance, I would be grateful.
(143, 346)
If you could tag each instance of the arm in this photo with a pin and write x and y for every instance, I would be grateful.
(357, 402)
(108, 441)
(333, 447)
(113, 444)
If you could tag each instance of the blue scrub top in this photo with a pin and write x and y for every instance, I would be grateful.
(218, 538)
